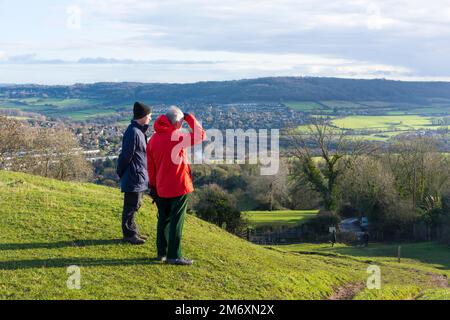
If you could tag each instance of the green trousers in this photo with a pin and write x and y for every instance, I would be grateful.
(171, 214)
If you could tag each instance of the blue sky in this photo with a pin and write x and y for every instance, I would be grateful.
(64, 42)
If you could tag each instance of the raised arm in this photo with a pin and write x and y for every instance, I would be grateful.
(198, 133)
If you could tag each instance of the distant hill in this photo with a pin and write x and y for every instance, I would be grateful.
(274, 89)
(48, 225)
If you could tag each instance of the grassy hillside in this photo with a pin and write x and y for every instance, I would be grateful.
(428, 257)
(49, 225)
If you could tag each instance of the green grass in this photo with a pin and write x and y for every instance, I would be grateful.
(403, 122)
(58, 102)
(343, 104)
(432, 254)
(279, 217)
(76, 109)
(88, 114)
(305, 106)
(380, 128)
(377, 104)
(421, 111)
(391, 119)
(431, 258)
(49, 225)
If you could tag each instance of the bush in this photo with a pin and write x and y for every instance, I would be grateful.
(216, 205)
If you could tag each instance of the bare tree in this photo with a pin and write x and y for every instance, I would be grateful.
(58, 155)
(270, 192)
(13, 142)
(49, 152)
(335, 152)
(420, 170)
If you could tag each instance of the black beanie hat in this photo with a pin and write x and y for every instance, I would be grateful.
(140, 110)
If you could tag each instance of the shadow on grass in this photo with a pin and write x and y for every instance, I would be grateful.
(59, 244)
(80, 262)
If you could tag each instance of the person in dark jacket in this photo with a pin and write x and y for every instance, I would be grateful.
(132, 170)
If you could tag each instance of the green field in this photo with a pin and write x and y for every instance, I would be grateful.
(305, 106)
(48, 226)
(382, 128)
(422, 111)
(378, 128)
(404, 122)
(369, 107)
(89, 114)
(343, 105)
(279, 217)
(375, 120)
(57, 102)
(76, 109)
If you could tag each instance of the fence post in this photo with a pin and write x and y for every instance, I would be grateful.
(399, 253)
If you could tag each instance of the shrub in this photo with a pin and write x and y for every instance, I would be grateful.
(216, 205)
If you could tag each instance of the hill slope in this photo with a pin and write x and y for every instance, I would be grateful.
(47, 225)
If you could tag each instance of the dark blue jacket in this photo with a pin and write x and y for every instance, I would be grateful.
(132, 162)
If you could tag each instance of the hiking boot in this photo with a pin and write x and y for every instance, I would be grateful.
(134, 240)
(180, 261)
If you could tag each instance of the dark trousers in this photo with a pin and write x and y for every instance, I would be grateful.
(171, 214)
(131, 204)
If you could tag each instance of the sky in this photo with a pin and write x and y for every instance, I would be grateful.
(86, 41)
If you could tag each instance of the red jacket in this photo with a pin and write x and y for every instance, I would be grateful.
(167, 161)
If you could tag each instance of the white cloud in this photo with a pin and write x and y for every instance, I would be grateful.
(304, 14)
(358, 38)
(230, 66)
(375, 20)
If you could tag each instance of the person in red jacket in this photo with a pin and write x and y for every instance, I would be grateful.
(170, 179)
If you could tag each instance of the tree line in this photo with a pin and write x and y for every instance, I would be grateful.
(270, 89)
(398, 188)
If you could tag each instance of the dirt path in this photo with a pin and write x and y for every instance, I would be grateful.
(347, 291)
(439, 280)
